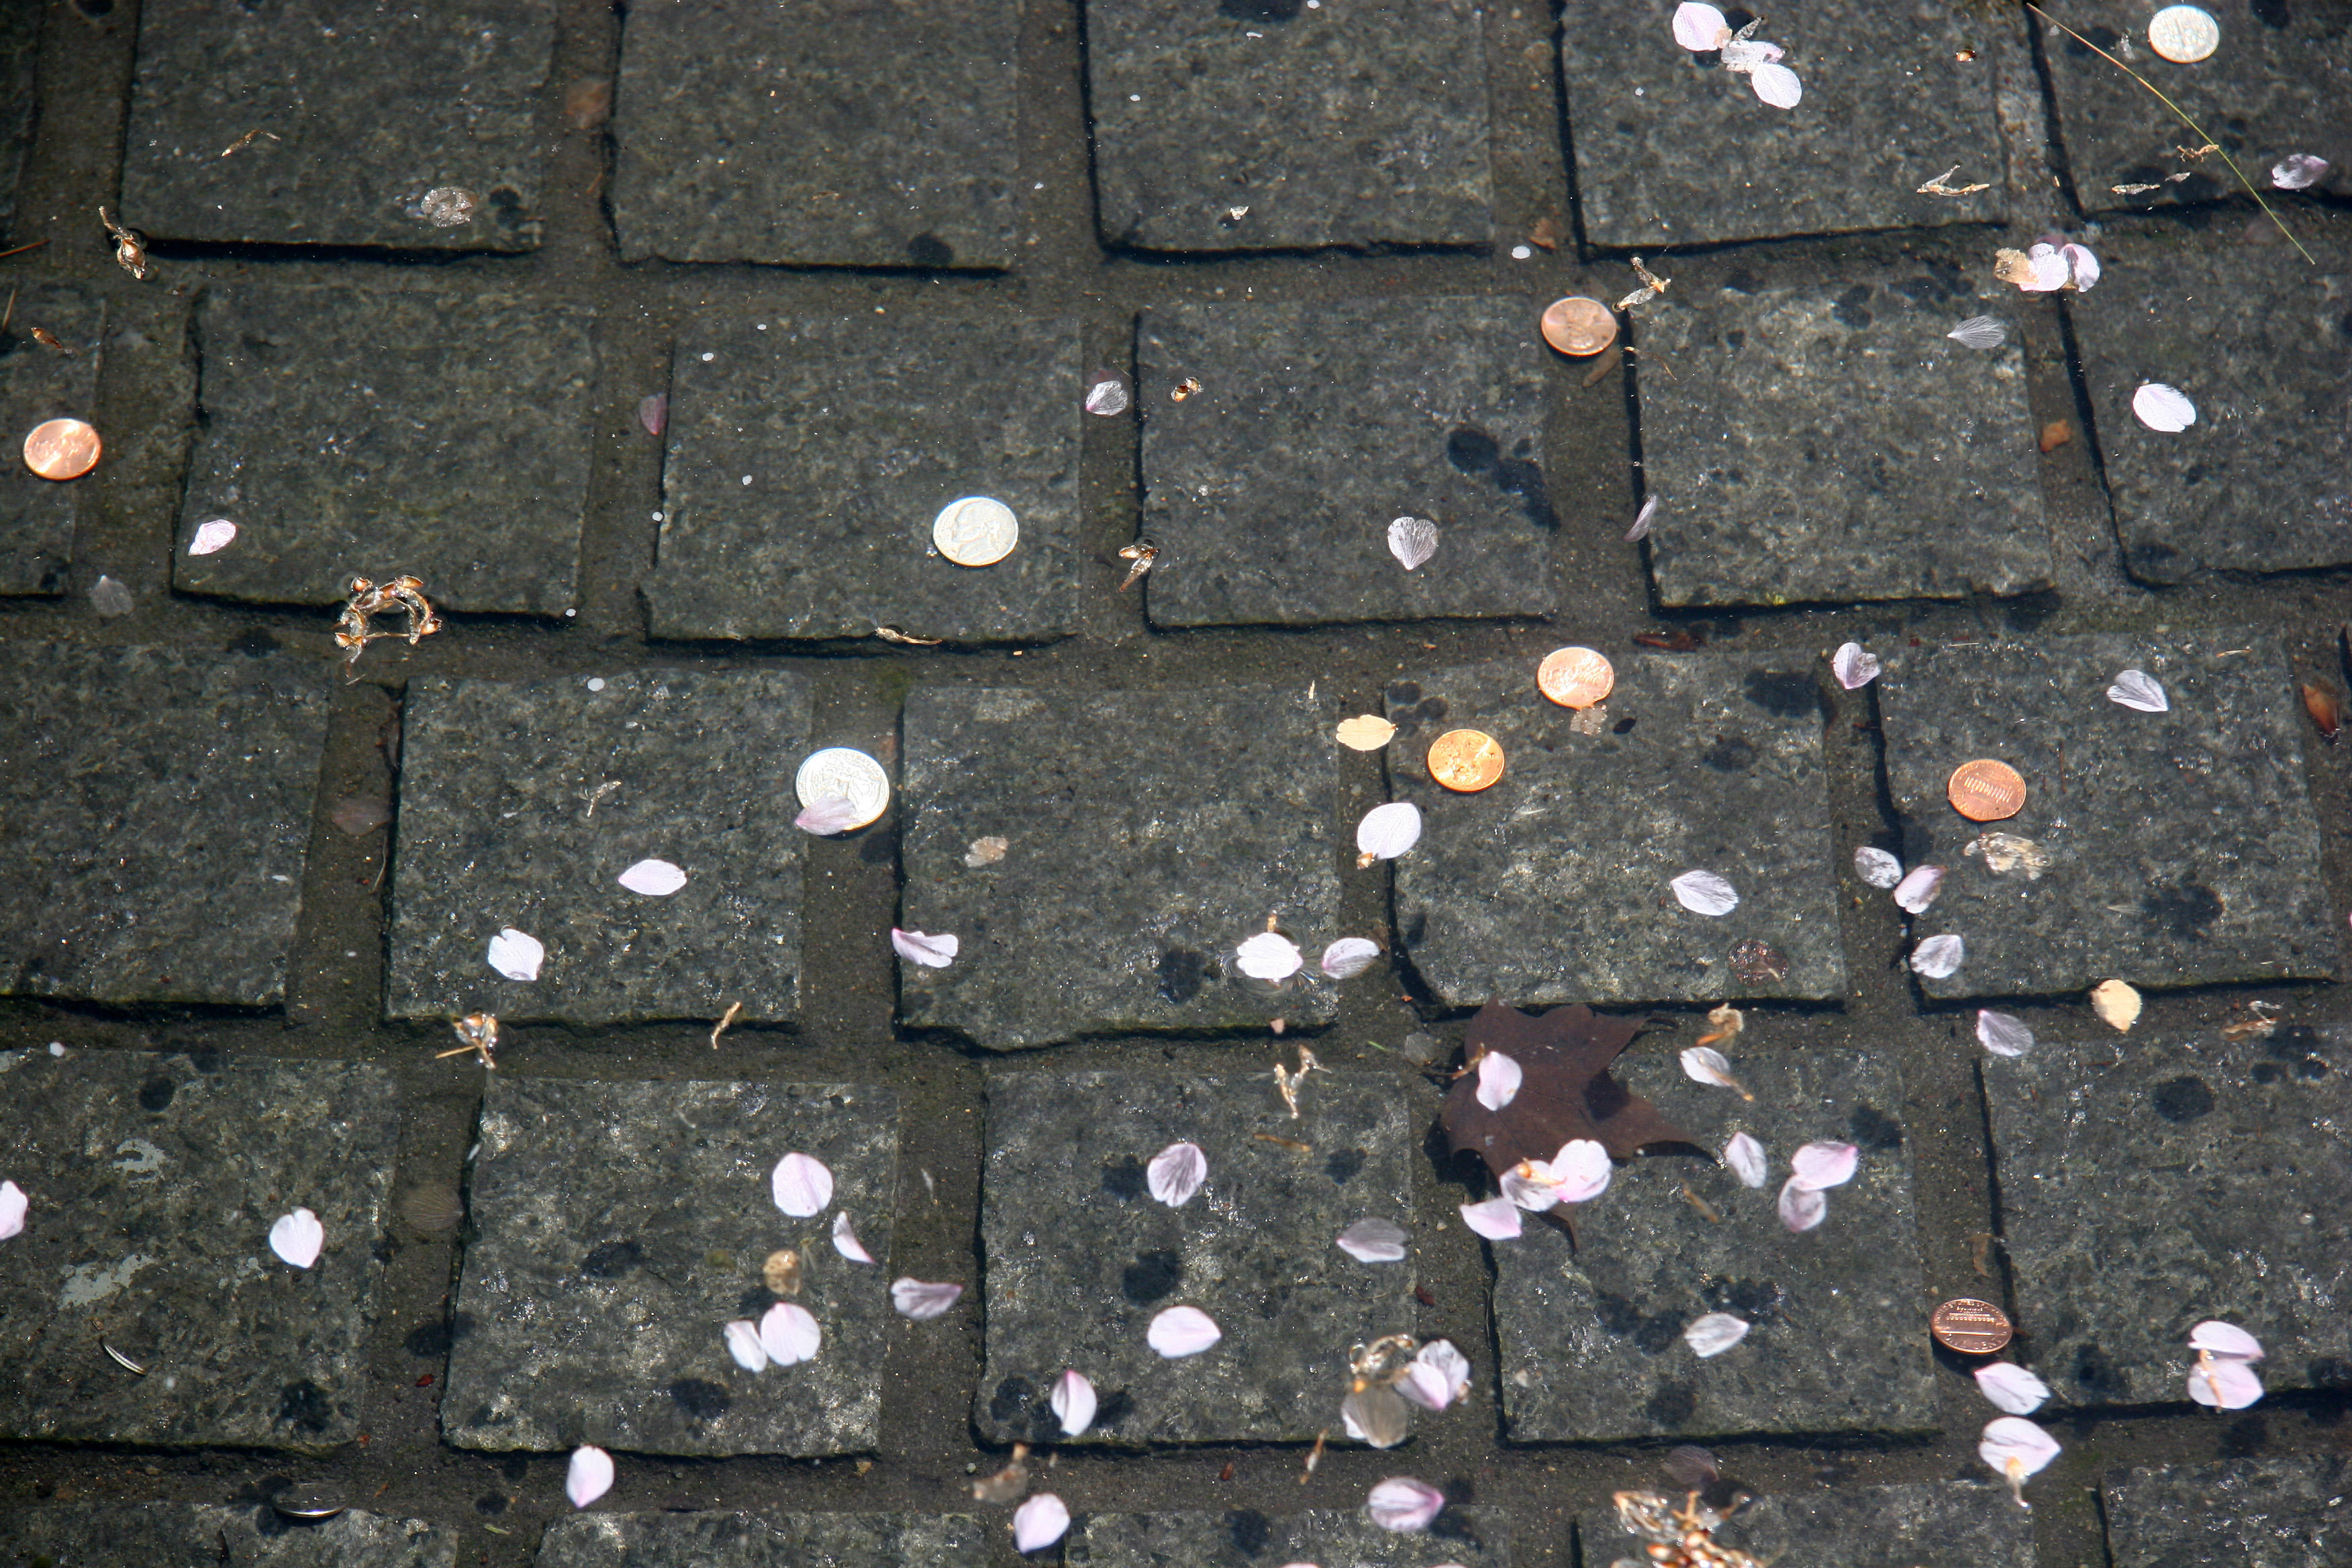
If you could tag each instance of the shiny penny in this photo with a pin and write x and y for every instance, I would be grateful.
(1986, 791)
(1970, 1326)
(61, 450)
(2184, 33)
(1575, 677)
(1579, 326)
(1465, 759)
(977, 531)
(850, 774)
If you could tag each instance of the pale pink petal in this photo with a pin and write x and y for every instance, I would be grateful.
(1269, 955)
(1531, 1184)
(1917, 891)
(829, 814)
(1040, 1522)
(1413, 540)
(1582, 1171)
(2015, 1448)
(213, 537)
(2226, 1340)
(2011, 1387)
(2298, 172)
(1939, 956)
(931, 952)
(1401, 1503)
(921, 1299)
(653, 412)
(1776, 85)
(2083, 268)
(1498, 1080)
(2162, 408)
(1704, 1064)
(742, 1338)
(1877, 867)
(2002, 1035)
(1741, 55)
(1350, 956)
(1641, 529)
(296, 1238)
(1182, 1331)
(1821, 1166)
(1853, 667)
(1373, 1241)
(654, 878)
(517, 955)
(1073, 1402)
(1700, 27)
(1387, 831)
(789, 1333)
(590, 1477)
(2224, 1385)
(1497, 1219)
(12, 1204)
(1801, 1208)
(1705, 893)
(2137, 690)
(1746, 1158)
(2050, 269)
(845, 1242)
(802, 1185)
(1713, 1334)
(1176, 1173)
(1436, 1377)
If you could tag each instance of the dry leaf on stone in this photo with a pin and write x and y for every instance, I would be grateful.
(1365, 732)
(1565, 1090)
(2116, 1003)
(1413, 540)
(2139, 691)
(1705, 893)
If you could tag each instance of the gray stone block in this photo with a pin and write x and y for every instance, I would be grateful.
(20, 58)
(764, 1541)
(2149, 1184)
(1080, 1258)
(377, 433)
(852, 432)
(619, 1227)
(157, 807)
(880, 135)
(1270, 491)
(1245, 1538)
(1147, 834)
(1592, 1336)
(1259, 125)
(2240, 1514)
(522, 804)
(1828, 442)
(1553, 884)
(335, 165)
(1858, 1527)
(37, 384)
(153, 1181)
(205, 1536)
(2182, 848)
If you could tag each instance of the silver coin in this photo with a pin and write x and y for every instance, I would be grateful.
(851, 775)
(977, 531)
(2184, 33)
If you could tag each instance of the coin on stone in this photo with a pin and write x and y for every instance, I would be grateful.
(1970, 1326)
(837, 771)
(1986, 791)
(977, 531)
(61, 450)
(1575, 677)
(1579, 326)
(2184, 33)
(1465, 761)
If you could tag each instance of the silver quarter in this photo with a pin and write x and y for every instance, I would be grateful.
(977, 531)
(2184, 33)
(850, 775)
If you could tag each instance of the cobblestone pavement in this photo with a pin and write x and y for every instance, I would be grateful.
(652, 340)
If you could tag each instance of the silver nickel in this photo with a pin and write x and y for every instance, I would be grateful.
(2184, 33)
(977, 531)
(852, 775)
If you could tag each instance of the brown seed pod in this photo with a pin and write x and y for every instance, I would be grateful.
(783, 1271)
(2325, 712)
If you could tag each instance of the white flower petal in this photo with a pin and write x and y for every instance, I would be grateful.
(1269, 955)
(1746, 1158)
(1877, 867)
(2050, 269)
(845, 1242)
(1939, 956)
(1818, 1167)
(1853, 667)
(1039, 1522)
(2298, 172)
(2224, 1385)
(1980, 332)
(1801, 1207)
(931, 952)
(516, 954)
(1176, 1173)
(1641, 520)
(12, 1204)
(590, 1477)
(1715, 1334)
(1581, 1171)
(742, 1338)
(1700, 27)
(1498, 1080)
(1413, 540)
(1741, 55)
(2002, 1035)
(1182, 1331)
(1776, 85)
(1918, 889)
(1073, 1402)
(2015, 1448)
(654, 878)
(802, 1184)
(2162, 408)
(2082, 267)
(1532, 1185)
(1497, 1219)
(828, 815)
(1401, 1503)
(1373, 1241)
(296, 1238)
(219, 533)
(2140, 691)
(923, 1301)
(1350, 956)
(1704, 1064)
(1705, 893)
(2011, 1387)
(1387, 831)
(2226, 1340)
(1437, 1375)
(789, 1333)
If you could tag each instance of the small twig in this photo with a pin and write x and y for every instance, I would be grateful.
(21, 249)
(726, 1018)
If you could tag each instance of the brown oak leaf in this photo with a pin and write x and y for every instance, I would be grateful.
(1565, 1090)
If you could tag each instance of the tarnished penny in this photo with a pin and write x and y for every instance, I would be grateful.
(1579, 326)
(2184, 33)
(61, 450)
(1465, 759)
(1986, 791)
(1575, 677)
(1970, 1326)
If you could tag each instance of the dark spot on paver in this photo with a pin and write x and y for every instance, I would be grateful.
(1250, 1531)
(2330, 1372)
(878, 849)
(1623, 727)
(1784, 694)
(2311, 1067)
(1123, 1178)
(754, 1303)
(1152, 1276)
(2028, 611)
(1180, 974)
(1113, 1408)
(1874, 1129)
(506, 206)
(2182, 1098)
(2244, 1438)
(2095, 1372)
(95, 7)
(1671, 1405)
(1517, 477)
(156, 1093)
(2271, 13)
(703, 1401)
(516, 1467)
(2293, 1041)
(2187, 909)
(254, 643)
(428, 1339)
(1758, 1301)
(1621, 1316)
(1743, 281)
(303, 1405)
(1730, 754)
(493, 1505)
(930, 250)
(1010, 1398)
(1404, 694)
(2268, 1072)
(1432, 708)
(2102, 37)
(1260, 10)
(611, 1260)
(1852, 307)
(1342, 1166)
(1472, 450)
(1735, 340)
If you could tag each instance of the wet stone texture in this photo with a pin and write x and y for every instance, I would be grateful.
(881, 135)
(1662, 136)
(1857, 1527)
(1270, 491)
(157, 809)
(1258, 124)
(852, 432)
(1080, 1258)
(153, 1181)
(618, 1226)
(1147, 834)
(331, 167)
(1829, 441)
(765, 1541)
(521, 804)
(38, 383)
(1553, 885)
(1245, 1538)
(2240, 1514)
(1592, 1337)
(2174, 848)
(2133, 1192)
(20, 55)
(379, 433)
(201, 1535)
(2263, 481)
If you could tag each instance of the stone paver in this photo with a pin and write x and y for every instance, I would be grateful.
(20, 54)
(618, 1226)
(1080, 1258)
(809, 457)
(522, 803)
(765, 1541)
(330, 165)
(153, 1183)
(2279, 83)
(1592, 1337)
(444, 434)
(1829, 441)
(2136, 1195)
(2263, 481)
(156, 804)
(2241, 1513)
(1148, 834)
(2181, 846)
(1245, 1538)
(1261, 125)
(38, 383)
(1859, 1527)
(1670, 149)
(205, 1536)
(1554, 884)
(869, 135)
(1270, 492)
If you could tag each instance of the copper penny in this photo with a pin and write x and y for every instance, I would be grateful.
(1579, 326)
(1465, 760)
(61, 450)
(1986, 791)
(1575, 677)
(1970, 1326)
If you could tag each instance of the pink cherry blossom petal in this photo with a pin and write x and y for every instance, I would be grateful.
(517, 955)
(1412, 541)
(1704, 1064)
(1641, 520)
(2139, 690)
(930, 952)
(2011, 1387)
(1498, 1080)
(2225, 1340)
(1269, 955)
(2015, 1448)
(802, 1185)
(1877, 867)
(1917, 889)
(1741, 55)
(1039, 1522)
(590, 1475)
(296, 1238)
(1939, 957)
(1713, 1334)
(1582, 1171)
(1073, 1402)
(2224, 1384)
(2082, 267)
(213, 537)
(1373, 1241)
(2002, 1035)
(1776, 85)
(1176, 1173)
(1700, 27)
(1746, 1158)
(654, 878)
(790, 1334)
(12, 1204)
(1183, 1330)
(1387, 831)
(1436, 1377)
(1801, 1208)
(1853, 667)
(921, 1299)
(1821, 1166)
(2162, 408)
(845, 1242)
(1497, 1219)
(1402, 1503)
(828, 815)
(1350, 956)
(742, 1337)
(653, 412)
(2298, 172)
(1705, 893)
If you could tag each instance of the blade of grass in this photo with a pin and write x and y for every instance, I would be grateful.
(2182, 115)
